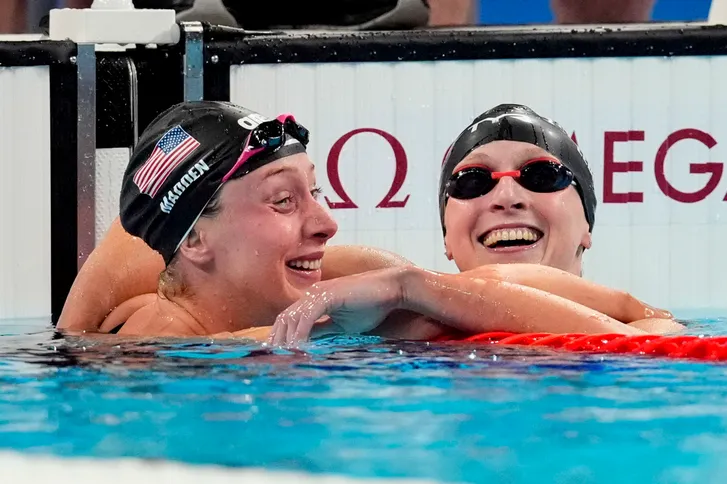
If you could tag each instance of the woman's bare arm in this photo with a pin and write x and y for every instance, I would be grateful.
(120, 268)
(347, 260)
(617, 304)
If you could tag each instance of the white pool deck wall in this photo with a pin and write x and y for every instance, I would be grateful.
(667, 252)
(24, 192)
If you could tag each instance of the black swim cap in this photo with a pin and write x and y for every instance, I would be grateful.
(178, 165)
(516, 122)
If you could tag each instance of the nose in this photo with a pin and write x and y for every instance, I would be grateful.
(319, 223)
(508, 195)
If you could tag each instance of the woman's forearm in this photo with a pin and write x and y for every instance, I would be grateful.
(619, 305)
(347, 260)
(480, 305)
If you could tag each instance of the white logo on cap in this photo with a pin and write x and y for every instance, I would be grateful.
(251, 121)
(170, 199)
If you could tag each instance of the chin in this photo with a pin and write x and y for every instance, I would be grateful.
(508, 258)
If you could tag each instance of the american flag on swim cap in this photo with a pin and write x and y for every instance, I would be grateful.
(171, 150)
(200, 141)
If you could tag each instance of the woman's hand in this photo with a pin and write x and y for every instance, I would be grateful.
(355, 304)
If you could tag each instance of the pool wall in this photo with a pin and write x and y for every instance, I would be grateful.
(24, 194)
(37, 189)
(643, 103)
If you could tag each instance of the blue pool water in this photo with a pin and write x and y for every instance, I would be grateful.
(364, 407)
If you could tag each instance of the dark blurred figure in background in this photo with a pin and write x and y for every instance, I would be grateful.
(12, 17)
(388, 14)
(18, 16)
(601, 11)
(326, 14)
(23, 16)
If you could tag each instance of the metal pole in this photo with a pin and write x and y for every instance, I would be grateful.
(86, 154)
(134, 98)
(193, 60)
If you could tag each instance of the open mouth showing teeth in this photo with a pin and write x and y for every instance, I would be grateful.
(305, 265)
(517, 237)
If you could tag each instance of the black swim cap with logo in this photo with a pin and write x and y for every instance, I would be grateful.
(178, 165)
(516, 122)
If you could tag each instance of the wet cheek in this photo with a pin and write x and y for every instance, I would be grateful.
(460, 218)
(563, 218)
(555, 210)
(242, 237)
(281, 235)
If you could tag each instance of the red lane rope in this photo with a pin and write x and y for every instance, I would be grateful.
(694, 347)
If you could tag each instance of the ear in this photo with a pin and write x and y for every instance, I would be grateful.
(586, 241)
(195, 247)
(447, 251)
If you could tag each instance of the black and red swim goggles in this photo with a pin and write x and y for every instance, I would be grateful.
(268, 137)
(541, 175)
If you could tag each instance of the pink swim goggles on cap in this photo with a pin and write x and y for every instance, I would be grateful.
(269, 136)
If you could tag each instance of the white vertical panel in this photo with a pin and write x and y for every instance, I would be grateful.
(24, 193)
(334, 108)
(257, 91)
(662, 250)
(110, 166)
(369, 164)
(418, 218)
(493, 85)
(454, 85)
(611, 112)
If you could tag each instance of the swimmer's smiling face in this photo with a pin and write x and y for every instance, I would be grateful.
(268, 239)
(547, 228)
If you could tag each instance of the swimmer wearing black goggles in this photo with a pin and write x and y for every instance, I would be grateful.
(516, 122)
(542, 175)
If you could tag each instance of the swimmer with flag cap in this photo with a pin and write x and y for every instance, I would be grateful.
(234, 218)
(227, 197)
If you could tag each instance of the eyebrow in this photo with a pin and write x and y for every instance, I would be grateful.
(277, 172)
(485, 160)
(478, 159)
(283, 169)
